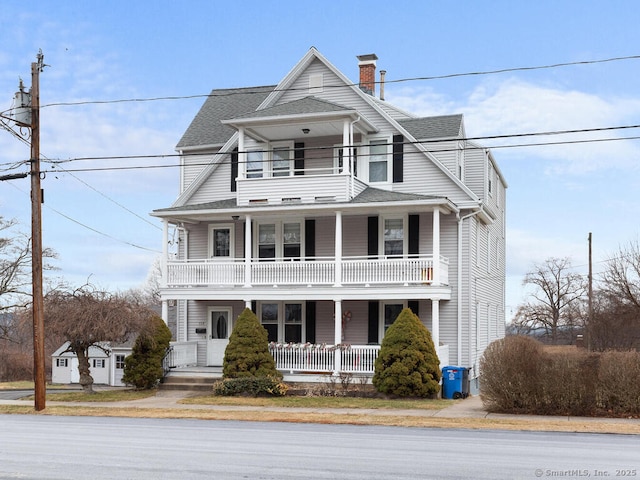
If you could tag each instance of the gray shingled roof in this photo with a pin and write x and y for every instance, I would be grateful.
(297, 107)
(444, 126)
(206, 129)
(370, 195)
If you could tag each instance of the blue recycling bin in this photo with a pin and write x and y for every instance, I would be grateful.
(455, 382)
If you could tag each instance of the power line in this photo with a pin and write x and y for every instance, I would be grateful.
(260, 90)
(360, 155)
(90, 228)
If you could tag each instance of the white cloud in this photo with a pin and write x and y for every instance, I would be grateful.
(514, 107)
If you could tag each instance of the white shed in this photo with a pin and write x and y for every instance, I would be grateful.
(105, 369)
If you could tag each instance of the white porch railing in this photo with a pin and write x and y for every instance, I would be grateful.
(183, 354)
(317, 271)
(321, 358)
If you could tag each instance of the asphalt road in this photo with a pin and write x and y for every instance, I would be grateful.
(55, 447)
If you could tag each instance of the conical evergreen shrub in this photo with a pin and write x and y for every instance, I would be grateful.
(408, 365)
(247, 354)
(143, 368)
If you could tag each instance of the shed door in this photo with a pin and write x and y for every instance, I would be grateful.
(218, 331)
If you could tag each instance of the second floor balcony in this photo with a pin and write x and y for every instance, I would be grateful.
(320, 271)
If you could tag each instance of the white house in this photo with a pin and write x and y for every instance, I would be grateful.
(327, 210)
(105, 369)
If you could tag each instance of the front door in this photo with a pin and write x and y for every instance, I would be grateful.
(218, 331)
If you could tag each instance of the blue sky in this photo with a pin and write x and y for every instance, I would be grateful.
(124, 50)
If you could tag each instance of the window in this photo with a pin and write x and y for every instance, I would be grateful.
(98, 363)
(280, 240)
(254, 164)
(490, 175)
(379, 161)
(269, 320)
(220, 241)
(267, 241)
(393, 237)
(281, 162)
(291, 240)
(283, 321)
(62, 362)
(391, 312)
(119, 359)
(293, 322)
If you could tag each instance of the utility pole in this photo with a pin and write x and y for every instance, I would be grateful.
(588, 339)
(36, 240)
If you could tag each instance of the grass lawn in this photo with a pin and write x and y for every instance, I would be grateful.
(321, 402)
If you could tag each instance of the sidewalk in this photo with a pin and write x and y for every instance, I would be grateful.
(470, 408)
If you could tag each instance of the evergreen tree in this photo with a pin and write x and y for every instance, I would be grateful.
(408, 364)
(143, 368)
(247, 354)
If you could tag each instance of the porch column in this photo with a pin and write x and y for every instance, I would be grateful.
(436, 246)
(338, 250)
(247, 251)
(165, 311)
(346, 147)
(435, 323)
(165, 253)
(337, 316)
(242, 154)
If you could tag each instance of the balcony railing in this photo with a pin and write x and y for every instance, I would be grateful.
(316, 272)
(306, 186)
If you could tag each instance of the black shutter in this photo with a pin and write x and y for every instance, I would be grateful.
(374, 319)
(298, 158)
(254, 307)
(372, 232)
(414, 234)
(310, 315)
(398, 158)
(309, 238)
(414, 305)
(234, 169)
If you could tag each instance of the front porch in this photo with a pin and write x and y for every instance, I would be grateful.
(298, 362)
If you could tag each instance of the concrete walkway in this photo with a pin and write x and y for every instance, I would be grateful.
(471, 407)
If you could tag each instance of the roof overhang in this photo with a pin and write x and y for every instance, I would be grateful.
(205, 213)
(286, 127)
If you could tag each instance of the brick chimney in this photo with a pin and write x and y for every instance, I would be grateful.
(367, 64)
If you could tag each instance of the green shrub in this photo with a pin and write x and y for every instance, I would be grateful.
(254, 386)
(407, 365)
(247, 354)
(143, 368)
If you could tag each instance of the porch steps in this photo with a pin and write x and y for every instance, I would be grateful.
(188, 383)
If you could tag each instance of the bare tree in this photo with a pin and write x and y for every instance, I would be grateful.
(87, 317)
(616, 322)
(15, 272)
(556, 298)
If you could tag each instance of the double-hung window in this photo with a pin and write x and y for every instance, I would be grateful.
(254, 164)
(393, 237)
(267, 241)
(220, 241)
(279, 240)
(281, 161)
(379, 163)
(283, 321)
